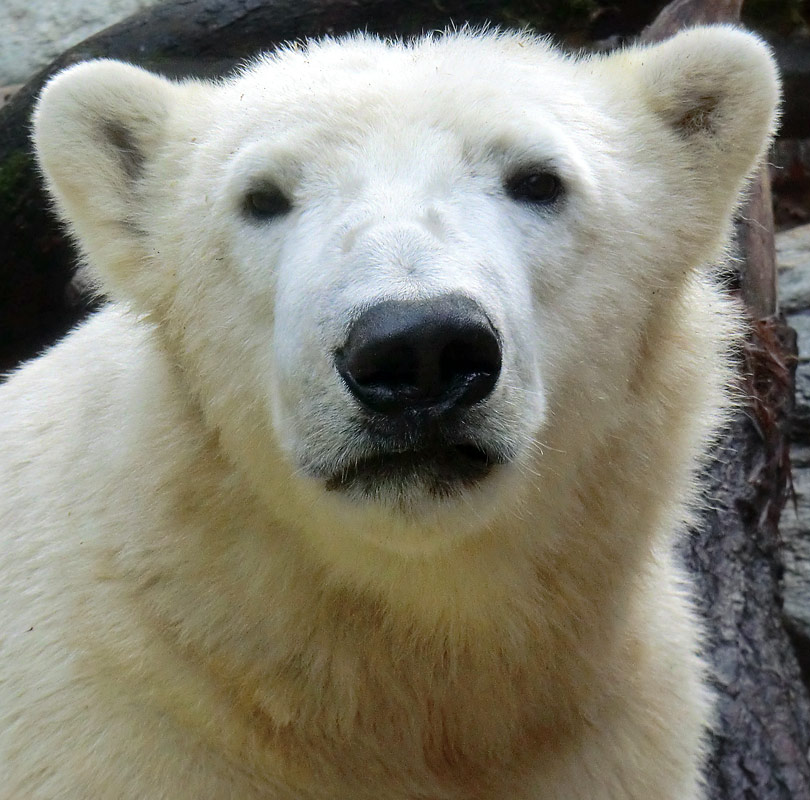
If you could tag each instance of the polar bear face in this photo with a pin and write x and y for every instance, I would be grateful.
(390, 274)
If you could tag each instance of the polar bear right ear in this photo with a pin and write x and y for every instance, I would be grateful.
(717, 89)
(96, 127)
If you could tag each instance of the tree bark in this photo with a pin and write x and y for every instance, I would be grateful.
(793, 57)
(762, 741)
(761, 747)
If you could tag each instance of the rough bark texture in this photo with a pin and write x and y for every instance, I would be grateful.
(761, 746)
(793, 56)
(793, 258)
(755, 231)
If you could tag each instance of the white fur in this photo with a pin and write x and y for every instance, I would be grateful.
(188, 613)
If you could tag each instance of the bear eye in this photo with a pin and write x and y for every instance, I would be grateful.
(536, 186)
(266, 202)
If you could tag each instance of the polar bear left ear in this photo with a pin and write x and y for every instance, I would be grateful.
(717, 89)
(97, 126)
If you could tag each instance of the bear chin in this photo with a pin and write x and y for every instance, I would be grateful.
(400, 477)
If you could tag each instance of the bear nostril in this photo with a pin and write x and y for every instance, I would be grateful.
(436, 354)
(395, 370)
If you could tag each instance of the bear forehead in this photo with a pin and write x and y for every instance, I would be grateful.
(474, 86)
(360, 60)
(359, 71)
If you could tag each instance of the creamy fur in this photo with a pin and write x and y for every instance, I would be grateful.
(187, 612)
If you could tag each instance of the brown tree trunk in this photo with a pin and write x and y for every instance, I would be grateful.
(762, 742)
(761, 747)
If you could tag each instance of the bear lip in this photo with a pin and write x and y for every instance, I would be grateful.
(438, 470)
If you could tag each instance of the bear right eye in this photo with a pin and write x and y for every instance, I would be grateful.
(266, 203)
(538, 186)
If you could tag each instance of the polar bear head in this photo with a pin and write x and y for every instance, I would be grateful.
(393, 273)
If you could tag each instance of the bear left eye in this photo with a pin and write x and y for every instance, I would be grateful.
(536, 186)
(266, 203)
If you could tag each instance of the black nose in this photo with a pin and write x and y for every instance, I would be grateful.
(432, 354)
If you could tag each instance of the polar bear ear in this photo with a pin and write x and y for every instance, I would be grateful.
(96, 127)
(717, 89)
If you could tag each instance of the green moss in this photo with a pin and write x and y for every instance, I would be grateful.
(15, 179)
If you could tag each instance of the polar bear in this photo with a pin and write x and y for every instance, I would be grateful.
(365, 483)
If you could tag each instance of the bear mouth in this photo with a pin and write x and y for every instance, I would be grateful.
(441, 471)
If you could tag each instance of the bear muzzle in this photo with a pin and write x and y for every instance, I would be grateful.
(416, 369)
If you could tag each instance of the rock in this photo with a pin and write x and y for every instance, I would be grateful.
(33, 34)
(7, 92)
(793, 258)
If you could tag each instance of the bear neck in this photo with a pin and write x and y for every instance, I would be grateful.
(401, 660)
(538, 608)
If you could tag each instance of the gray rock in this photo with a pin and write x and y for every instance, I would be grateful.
(800, 322)
(793, 258)
(32, 34)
